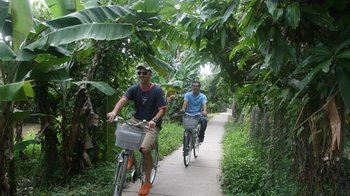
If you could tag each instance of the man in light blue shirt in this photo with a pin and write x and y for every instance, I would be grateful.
(196, 102)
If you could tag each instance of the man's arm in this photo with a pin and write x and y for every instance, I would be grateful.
(111, 115)
(157, 117)
(184, 106)
(205, 101)
(205, 109)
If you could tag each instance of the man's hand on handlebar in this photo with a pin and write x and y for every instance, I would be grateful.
(111, 116)
(151, 124)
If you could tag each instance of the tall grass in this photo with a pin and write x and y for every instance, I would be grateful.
(241, 170)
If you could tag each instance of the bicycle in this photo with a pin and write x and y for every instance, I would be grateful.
(129, 137)
(190, 137)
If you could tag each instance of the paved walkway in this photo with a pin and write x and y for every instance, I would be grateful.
(200, 178)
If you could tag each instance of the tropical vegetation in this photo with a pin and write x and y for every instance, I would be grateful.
(283, 65)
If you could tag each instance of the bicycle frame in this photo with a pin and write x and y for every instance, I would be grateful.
(190, 142)
(137, 171)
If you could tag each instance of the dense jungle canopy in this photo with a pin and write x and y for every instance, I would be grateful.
(286, 64)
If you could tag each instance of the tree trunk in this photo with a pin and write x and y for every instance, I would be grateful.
(76, 139)
(255, 119)
(5, 129)
(12, 163)
(50, 162)
(82, 110)
(65, 139)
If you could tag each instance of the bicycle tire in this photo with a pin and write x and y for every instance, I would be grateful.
(155, 163)
(120, 175)
(187, 148)
(196, 143)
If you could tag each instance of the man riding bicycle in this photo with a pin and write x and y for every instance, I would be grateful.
(196, 102)
(150, 105)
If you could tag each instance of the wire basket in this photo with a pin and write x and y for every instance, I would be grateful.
(190, 122)
(129, 137)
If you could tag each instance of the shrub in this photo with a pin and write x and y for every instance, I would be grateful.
(241, 170)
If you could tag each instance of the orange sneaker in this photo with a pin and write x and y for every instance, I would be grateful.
(130, 162)
(145, 188)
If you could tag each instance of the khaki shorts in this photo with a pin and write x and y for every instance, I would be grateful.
(150, 137)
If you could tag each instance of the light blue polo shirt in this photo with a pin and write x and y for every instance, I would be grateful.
(195, 103)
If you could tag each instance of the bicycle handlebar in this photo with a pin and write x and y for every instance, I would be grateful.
(187, 114)
(196, 114)
(144, 122)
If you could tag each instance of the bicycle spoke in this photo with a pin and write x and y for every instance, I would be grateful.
(155, 163)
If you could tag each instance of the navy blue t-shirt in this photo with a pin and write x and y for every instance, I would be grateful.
(147, 102)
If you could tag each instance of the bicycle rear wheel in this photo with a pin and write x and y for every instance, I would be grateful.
(196, 143)
(187, 147)
(120, 175)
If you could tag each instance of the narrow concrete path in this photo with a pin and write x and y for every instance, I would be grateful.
(200, 178)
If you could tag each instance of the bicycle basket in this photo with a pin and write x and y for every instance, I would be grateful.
(129, 137)
(190, 122)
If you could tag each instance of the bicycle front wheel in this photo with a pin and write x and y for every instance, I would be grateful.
(196, 144)
(120, 175)
(155, 163)
(187, 147)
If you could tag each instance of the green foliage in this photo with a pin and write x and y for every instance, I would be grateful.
(18, 91)
(170, 138)
(101, 86)
(246, 172)
(97, 180)
(24, 144)
(280, 55)
(241, 169)
(218, 93)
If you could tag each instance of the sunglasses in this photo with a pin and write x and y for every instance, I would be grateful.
(142, 73)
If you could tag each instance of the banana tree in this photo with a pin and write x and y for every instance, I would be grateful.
(11, 90)
(23, 51)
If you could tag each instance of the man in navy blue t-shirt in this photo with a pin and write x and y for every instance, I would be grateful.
(150, 105)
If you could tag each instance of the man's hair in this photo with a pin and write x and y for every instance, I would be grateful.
(197, 82)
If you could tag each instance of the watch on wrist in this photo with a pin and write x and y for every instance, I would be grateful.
(154, 120)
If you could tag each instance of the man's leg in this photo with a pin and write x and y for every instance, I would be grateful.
(146, 148)
(203, 122)
(147, 164)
